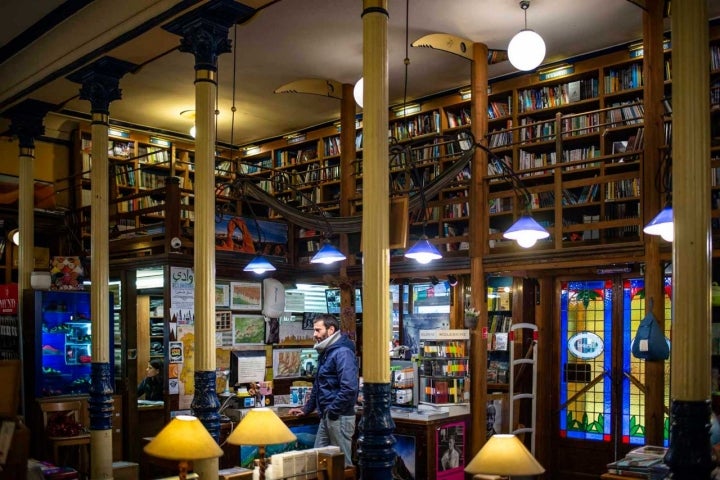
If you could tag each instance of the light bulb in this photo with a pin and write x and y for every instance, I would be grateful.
(668, 235)
(526, 242)
(192, 131)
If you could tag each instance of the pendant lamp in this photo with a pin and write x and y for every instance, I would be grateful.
(259, 265)
(526, 231)
(526, 49)
(423, 251)
(662, 224)
(328, 254)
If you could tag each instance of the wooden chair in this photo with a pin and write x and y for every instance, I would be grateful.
(72, 410)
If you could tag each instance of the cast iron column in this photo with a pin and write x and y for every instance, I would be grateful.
(689, 456)
(100, 85)
(375, 439)
(27, 124)
(204, 33)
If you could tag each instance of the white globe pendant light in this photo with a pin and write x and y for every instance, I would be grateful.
(526, 49)
(358, 92)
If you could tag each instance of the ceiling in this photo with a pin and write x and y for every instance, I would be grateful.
(42, 41)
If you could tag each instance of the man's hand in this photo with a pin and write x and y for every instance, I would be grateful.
(296, 411)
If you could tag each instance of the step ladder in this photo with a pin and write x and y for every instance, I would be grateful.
(529, 360)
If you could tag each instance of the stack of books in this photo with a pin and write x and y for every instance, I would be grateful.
(640, 462)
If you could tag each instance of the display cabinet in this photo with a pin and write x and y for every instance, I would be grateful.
(57, 342)
(444, 367)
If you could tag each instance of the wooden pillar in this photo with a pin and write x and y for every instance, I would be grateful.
(653, 74)
(478, 248)
(100, 85)
(204, 33)
(375, 439)
(689, 456)
(347, 188)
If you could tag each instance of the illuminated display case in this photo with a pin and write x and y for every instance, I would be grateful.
(57, 339)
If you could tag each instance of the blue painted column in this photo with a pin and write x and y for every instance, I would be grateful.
(375, 438)
(100, 85)
(204, 33)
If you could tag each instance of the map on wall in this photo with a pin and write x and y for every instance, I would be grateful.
(248, 329)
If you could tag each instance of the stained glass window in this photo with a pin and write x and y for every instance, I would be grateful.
(586, 360)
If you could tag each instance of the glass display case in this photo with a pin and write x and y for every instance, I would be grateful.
(57, 336)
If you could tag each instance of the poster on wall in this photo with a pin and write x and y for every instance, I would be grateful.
(450, 453)
(248, 235)
(291, 332)
(404, 466)
(186, 375)
(412, 324)
(182, 287)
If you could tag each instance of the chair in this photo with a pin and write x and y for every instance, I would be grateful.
(69, 412)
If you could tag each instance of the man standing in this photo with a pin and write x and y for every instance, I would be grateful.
(335, 388)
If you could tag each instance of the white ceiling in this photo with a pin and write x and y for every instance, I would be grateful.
(288, 40)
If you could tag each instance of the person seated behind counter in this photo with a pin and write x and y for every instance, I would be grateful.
(152, 384)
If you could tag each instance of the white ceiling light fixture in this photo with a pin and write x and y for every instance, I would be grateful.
(526, 49)
(189, 115)
(358, 92)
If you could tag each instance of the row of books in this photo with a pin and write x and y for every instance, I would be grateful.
(529, 159)
(450, 390)
(626, 188)
(446, 349)
(588, 193)
(626, 113)
(618, 79)
(498, 371)
(461, 118)
(445, 368)
(292, 157)
(540, 131)
(418, 125)
(557, 95)
(151, 154)
(576, 125)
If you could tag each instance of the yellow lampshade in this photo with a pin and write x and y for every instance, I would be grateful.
(261, 426)
(504, 455)
(184, 438)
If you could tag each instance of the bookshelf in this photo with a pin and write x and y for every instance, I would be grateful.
(500, 318)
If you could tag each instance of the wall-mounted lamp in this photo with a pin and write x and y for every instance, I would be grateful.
(526, 50)
(452, 280)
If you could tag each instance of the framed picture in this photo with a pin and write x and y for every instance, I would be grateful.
(246, 296)
(286, 362)
(248, 329)
(222, 295)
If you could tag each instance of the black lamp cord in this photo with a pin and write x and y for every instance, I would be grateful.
(507, 173)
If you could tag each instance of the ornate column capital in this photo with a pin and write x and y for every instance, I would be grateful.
(100, 82)
(27, 121)
(204, 31)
